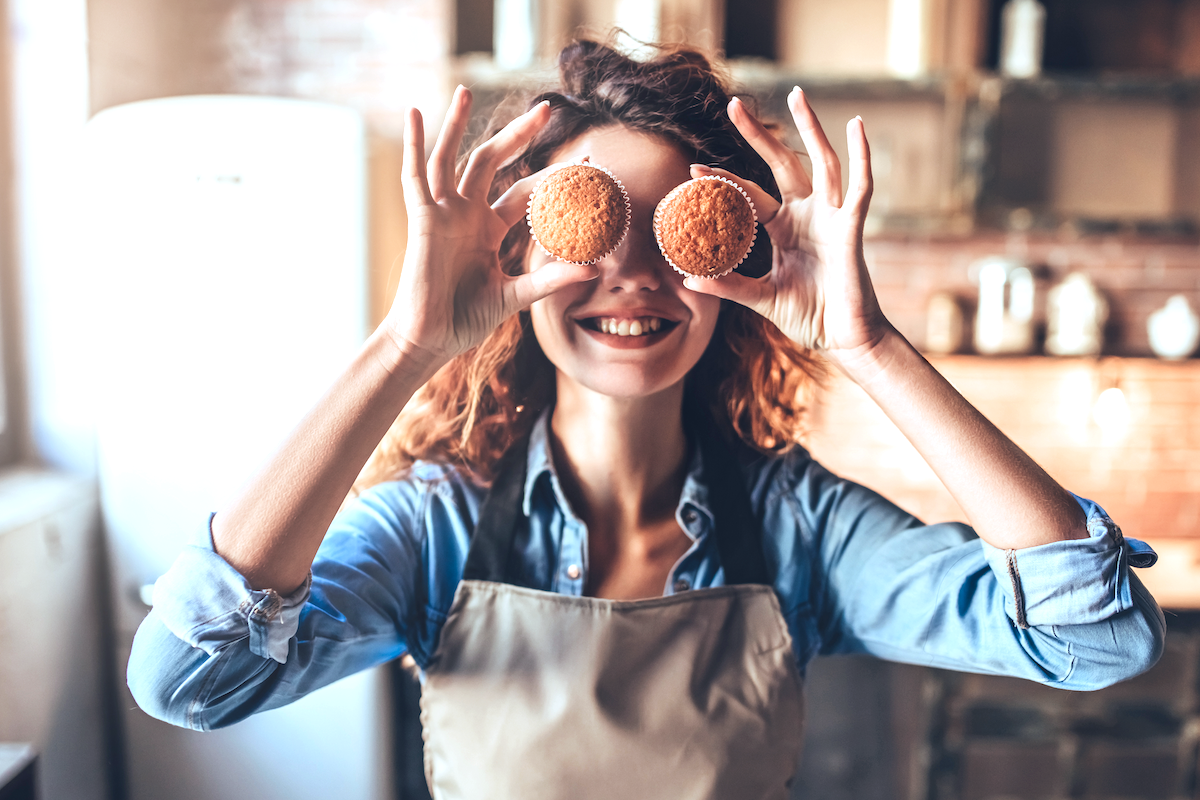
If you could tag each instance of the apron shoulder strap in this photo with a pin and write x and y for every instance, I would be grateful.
(737, 529)
(499, 515)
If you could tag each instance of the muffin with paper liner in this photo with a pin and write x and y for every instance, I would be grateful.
(706, 226)
(579, 213)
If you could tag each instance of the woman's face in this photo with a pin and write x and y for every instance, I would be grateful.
(636, 289)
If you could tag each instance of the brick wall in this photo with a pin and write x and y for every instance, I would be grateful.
(1143, 467)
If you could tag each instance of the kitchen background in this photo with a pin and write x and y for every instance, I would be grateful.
(1090, 165)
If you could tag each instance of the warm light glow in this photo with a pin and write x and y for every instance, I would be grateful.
(1111, 411)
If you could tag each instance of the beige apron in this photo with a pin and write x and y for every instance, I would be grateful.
(533, 695)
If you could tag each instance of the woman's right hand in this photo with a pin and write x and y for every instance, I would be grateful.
(452, 292)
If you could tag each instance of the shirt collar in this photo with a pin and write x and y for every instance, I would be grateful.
(694, 496)
(540, 461)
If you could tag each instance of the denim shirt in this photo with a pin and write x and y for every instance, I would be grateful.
(853, 574)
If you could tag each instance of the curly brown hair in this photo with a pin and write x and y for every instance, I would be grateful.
(751, 376)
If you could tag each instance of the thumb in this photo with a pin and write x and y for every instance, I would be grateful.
(522, 291)
(756, 294)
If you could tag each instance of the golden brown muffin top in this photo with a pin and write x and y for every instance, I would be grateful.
(579, 213)
(705, 227)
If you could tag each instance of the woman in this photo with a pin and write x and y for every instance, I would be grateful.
(549, 479)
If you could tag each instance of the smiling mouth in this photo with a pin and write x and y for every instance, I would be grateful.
(636, 326)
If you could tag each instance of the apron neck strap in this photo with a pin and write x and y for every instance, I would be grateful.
(499, 516)
(737, 530)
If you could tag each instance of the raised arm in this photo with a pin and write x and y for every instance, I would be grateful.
(452, 294)
(819, 293)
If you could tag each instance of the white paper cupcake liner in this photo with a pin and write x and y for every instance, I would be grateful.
(583, 162)
(671, 196)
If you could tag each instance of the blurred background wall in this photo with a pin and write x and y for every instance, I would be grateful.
(1090, 165)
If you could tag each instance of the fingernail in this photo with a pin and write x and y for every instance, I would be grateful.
(702, 169)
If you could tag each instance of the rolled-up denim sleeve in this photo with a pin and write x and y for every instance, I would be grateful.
(889, 585)
(1072, 582)
(208, 604)
(213, 650)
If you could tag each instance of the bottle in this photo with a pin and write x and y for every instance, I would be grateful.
(944, 319)
(1004, 315)
(1077, 312)
(1174, 329)
(1022, 31)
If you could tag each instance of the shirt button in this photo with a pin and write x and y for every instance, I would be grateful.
(681, 585)
(573, 572)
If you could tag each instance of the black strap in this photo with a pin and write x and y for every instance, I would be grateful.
(499, 517)
(738, 532)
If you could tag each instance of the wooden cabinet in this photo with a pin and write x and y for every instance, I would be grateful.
(1102, 154)
(1108, 140)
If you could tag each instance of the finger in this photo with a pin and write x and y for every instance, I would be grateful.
(445, 152)
(482, 165)
(827, 172)
(524, 290)
(757, 294)
(412, 176)
(785, 165)
(862, 184)
(765, 206)
(514, 203)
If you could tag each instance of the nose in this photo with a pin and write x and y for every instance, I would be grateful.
(633, 266)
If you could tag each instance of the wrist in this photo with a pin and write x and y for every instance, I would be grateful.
(880, 353)
(404, 360)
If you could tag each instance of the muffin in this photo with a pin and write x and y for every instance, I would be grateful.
(705, 227)
(579, 213)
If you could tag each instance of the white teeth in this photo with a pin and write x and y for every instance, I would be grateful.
(630, 327)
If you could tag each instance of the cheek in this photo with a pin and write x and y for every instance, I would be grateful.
(542, 312)
(707, 312)
(548, 318)
(539, 319)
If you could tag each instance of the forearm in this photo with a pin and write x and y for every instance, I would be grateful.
(272, 532)
(1010, 501)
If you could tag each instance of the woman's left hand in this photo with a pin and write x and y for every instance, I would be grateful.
(818, 291)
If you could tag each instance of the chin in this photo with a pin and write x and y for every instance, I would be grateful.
(621, 384)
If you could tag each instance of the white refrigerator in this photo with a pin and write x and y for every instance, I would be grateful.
(227, 241)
